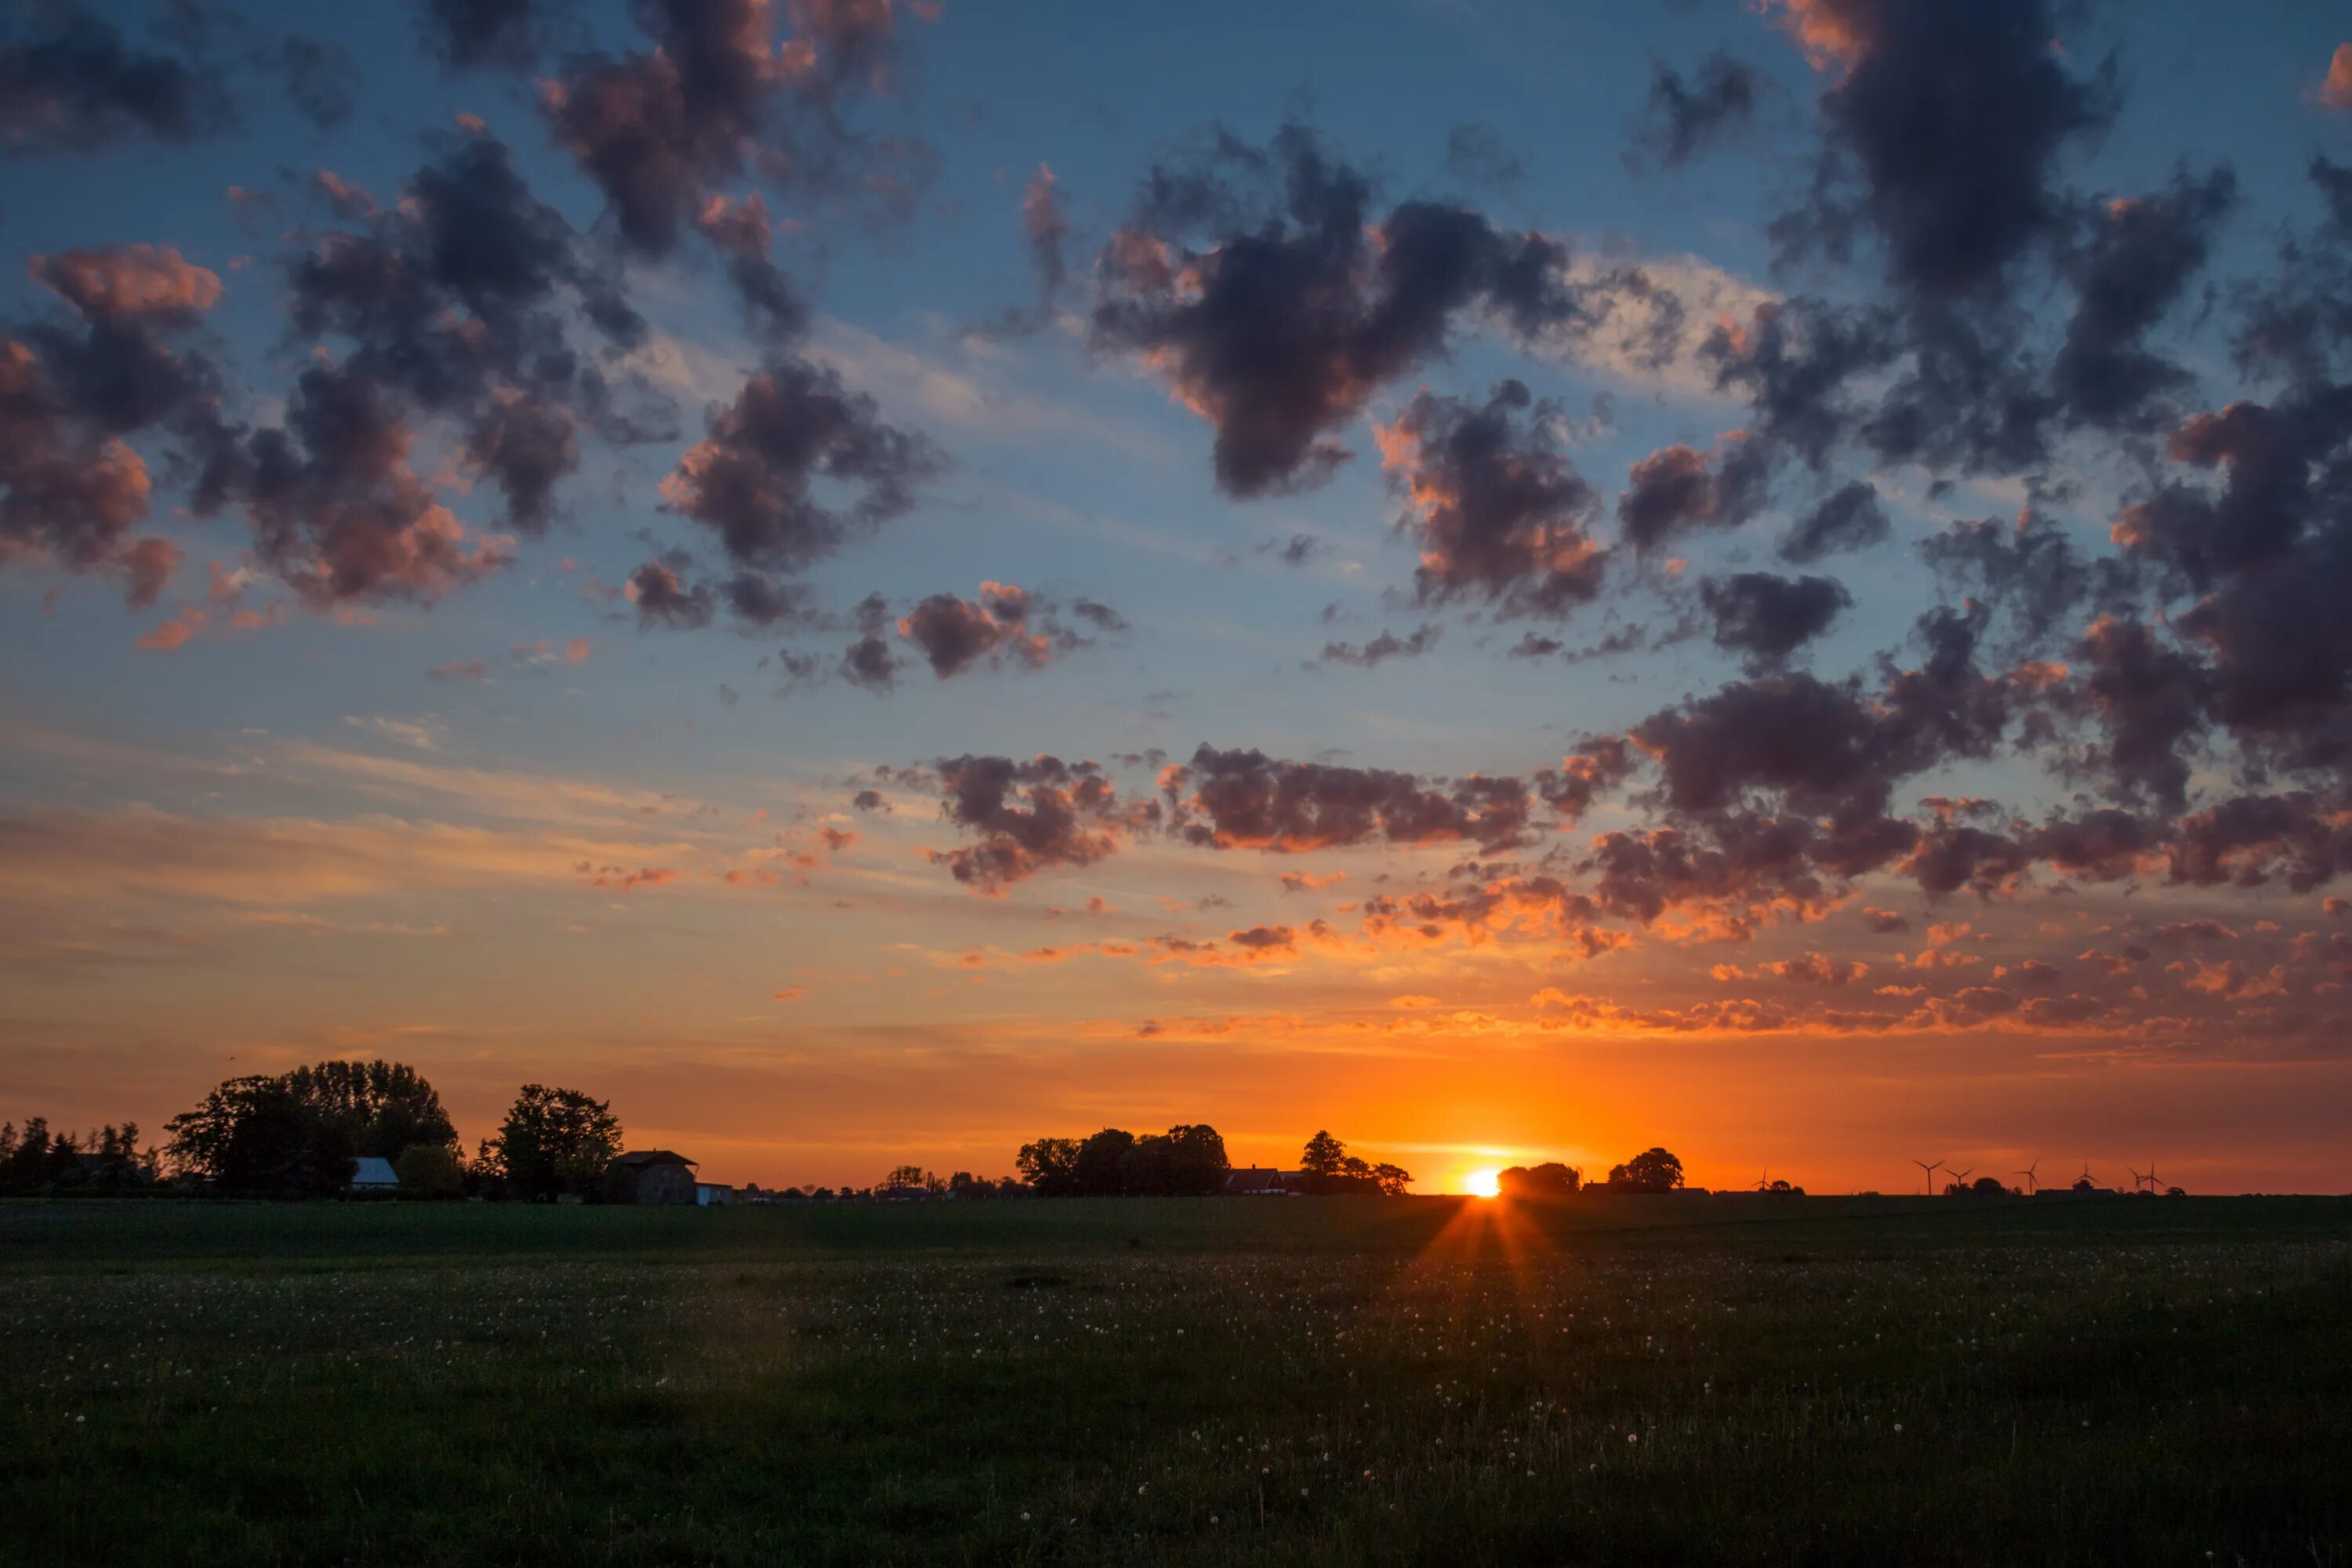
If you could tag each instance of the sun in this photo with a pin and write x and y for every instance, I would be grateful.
(1482, 1184)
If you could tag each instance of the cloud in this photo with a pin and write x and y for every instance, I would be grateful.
(1260, 285)
(122, 282)
(956, 634)
(1849, 517)
(1949, 121)
(1029, 817)
(662, 600)
(751, 480)
(2335, 87)
(718, 95)
(1498, 511)
(1244, 799)
(1681, 118)
(1766, 618)
(1672, 490)
(76, 85)
(1381, 648)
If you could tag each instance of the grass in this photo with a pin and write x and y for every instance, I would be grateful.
(1224, 1380)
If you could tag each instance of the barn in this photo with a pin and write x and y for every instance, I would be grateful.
(373, 1173)
(651, 1176)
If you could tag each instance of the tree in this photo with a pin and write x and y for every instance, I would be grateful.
(382, 1107)
(1391, 1180)
(554, 1141)
(1650, 1171)
(1050, 1166)
(1101, 1167)
(1987, 1187)
(1322, 1155)
(253, 1134)
(430, 1171)
(1550, 1180)
(1197, 1165)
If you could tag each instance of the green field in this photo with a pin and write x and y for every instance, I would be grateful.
(1682, 1380)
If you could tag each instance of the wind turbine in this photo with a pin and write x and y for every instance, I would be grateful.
(1764, 1182)
(2154, 1182)
(1961, 1179)
(2139, 1178)
(1927, 1174)
(2032, 1183)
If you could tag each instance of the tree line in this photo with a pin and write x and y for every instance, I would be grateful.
(302, 1134)
(1650, 1171)
(1187, 1161)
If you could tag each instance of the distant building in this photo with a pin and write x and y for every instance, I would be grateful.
(375, 1174)
(706, 1194)
(652, 1176)
(1264, 1180)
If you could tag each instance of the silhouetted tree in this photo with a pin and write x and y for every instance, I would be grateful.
(382, 1107)
(554, 1141)
(1101, 1163)
(255, 1134)
(1050, 1166)
(1987, 1187)
(1650, 1171)
(1391, 1180)
(1322, 1155)
(1550, 1180)
(904, 1179)
(430, 1171)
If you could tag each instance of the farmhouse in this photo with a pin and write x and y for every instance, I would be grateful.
(652, 1176)
(375, 1174)
(1264, 1180)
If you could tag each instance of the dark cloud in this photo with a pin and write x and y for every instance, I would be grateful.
(1028, 818)
(957, 634)
(1263, 285)
(1682, 117)
(1849, 517)
(1672, 490)
(870, 661)
(751, 480)
(664, 599)
(1101, 616)
(1381, 648)
(73, 492)
(2029, 570)
(1944, 132)
(1765, 618)
(467, 33)
(2139, 256)
(322, 78)
(1497, 509)
(459, 301)
(1595, 767)
(337, 511)
(717, 98)
(1244, 799)
(69, 82)
(2149, 698)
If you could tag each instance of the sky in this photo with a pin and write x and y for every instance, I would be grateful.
(871, 583)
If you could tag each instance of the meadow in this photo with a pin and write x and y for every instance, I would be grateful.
(1234, 1381)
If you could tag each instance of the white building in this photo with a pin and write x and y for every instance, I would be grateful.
(375, 1174)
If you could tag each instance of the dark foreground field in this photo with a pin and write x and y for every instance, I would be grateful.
(1240, 1380)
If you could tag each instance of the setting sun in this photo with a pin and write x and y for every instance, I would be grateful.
(1481, 1183)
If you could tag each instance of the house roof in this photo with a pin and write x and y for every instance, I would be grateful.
(638, 1159)
(374, 1170)
(1258, 1179)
